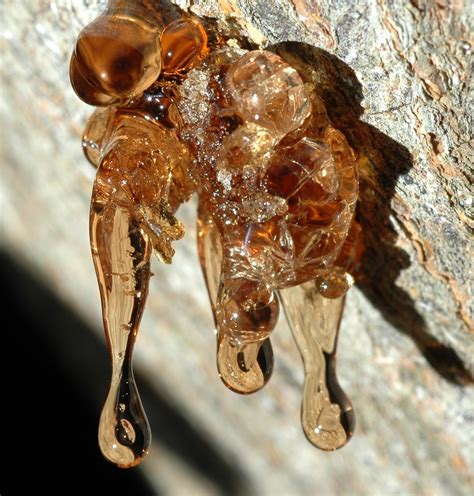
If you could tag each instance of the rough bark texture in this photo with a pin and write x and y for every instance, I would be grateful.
(394, 75)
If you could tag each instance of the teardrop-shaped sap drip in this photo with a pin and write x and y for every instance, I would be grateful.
(124, 433)
(243, 369)
(327, 415)
(121, 253)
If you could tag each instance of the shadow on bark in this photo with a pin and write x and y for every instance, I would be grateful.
(69, 369)
(382, 160)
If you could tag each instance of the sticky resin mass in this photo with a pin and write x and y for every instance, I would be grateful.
(277, 188)
(278, 180)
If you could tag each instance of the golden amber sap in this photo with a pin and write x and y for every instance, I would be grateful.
(277, 186)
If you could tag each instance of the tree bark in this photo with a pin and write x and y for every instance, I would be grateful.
(394, 76)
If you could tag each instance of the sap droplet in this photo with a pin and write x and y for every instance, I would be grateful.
(125, 328)
(182, 43)
(267, 90)
(246, 311)
(334, 283)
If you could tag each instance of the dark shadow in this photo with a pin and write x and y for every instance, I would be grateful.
(382, 162)
(55, 374)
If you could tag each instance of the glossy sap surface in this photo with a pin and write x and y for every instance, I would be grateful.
(116, 57)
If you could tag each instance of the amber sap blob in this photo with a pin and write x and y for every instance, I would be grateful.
(116, 57)
(182, 43)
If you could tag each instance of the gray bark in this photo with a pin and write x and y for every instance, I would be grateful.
(394, 75)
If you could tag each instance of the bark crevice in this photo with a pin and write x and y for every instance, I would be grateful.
(382, 161)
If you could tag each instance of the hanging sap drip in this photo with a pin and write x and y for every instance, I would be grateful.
(121, 255)
(327, 415)
(244, 368)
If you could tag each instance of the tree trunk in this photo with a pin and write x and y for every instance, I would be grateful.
(394, 76)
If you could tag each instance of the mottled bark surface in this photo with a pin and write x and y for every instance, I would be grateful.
(394, 75)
